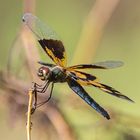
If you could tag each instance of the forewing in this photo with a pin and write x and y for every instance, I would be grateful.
(99, 65)
(47, 38)
(79, 90)
(46, 64)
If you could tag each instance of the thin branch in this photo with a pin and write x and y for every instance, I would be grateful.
(28, 126)
(29, 6)
(29, 43)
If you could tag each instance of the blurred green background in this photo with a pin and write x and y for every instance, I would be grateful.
(121, 41)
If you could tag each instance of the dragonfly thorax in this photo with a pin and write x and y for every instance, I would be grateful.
(58, 74)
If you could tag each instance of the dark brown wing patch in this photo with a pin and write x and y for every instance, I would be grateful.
(55, 46)
(83, 78)
(55, 49)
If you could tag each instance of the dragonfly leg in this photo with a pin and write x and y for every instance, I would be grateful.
(44, 88)
(41, 88)
(42, 103)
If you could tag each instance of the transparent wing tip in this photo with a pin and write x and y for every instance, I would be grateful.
(110, 64)
(114, 64)
(40, 29)
(119, 63)
(31, 21)
(27, 17)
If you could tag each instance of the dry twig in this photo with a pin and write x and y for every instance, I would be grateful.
(29, 114)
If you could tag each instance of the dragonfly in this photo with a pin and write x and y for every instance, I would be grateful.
(60, 73)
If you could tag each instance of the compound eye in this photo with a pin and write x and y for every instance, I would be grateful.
(43, 73)
(40, 72)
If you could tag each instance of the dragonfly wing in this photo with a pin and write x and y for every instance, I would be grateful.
(46, 64)
(79, 90)
(47, 38)
(99, 65)
(111, 91)
(88, 79)
(83, 78)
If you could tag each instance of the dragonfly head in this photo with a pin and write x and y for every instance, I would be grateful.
(43, 73)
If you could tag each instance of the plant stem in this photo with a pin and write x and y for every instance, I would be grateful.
(29, 114)
(93, 29)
